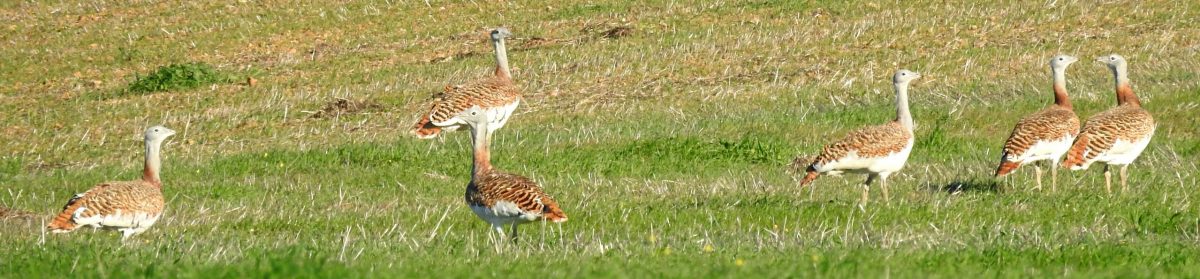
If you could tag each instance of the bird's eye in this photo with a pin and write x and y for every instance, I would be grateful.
(1112, 58)
(156, 130)
(474, 113)
(1061, 59)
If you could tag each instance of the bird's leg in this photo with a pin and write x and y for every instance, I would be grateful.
(1107, 180)
(1124, 175)
(866, 191)
(499, 230)
(514, 233)
(1054, 175)
(883, 183)
(1038, 169)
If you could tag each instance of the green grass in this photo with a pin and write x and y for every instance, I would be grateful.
(177, 77)
(668, 148)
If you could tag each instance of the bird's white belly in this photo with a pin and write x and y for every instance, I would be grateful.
(854, 164)
(1045, 150)
(119, 220)
(503, 213)
(1124, 152)
(498, 116)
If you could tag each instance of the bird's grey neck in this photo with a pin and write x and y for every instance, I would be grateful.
(1124, 89)
(482, 155)
(502, 69)
(153, 161)
(1060, 86)
(1121, 74)
(902, 113)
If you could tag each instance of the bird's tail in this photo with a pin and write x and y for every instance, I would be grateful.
(1077, 155)
(424, 129)
(1006, 166)
(63, 222)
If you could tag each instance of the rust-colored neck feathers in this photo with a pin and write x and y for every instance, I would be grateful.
(1124, 90)
(1125, 95)
(153, 163)
(1060, 88)
(482, 154)
(502, 69)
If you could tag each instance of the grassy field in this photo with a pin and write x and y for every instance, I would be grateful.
(665, 129)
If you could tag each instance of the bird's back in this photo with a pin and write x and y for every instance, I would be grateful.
(112, 204)
(525, 198)
(1127, 123)
(870, 142)
(1053, 124)
(493, 93)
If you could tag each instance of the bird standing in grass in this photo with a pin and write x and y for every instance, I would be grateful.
(1116, 136)
(877, 151)
(130, 207)
(496, 95)
(1045, 135)
(502, 199)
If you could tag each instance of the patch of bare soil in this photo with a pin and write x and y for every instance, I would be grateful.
(800, 164)
(587, 33)
(341, 106)
(9, 213)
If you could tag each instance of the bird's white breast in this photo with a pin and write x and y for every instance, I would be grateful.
(117, 220)
(503, 213)
(1124, 152)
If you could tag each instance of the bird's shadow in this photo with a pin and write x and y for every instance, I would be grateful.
(965, 186)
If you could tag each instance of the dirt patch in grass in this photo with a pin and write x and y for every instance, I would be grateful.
(617, 32)
(800, 164)
(341, 106)
(9, 213)
(587, 34)
(40, 166)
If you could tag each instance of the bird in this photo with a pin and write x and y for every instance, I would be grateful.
(500, 198)
(130, 207)
(877, 151)
(497, 95)
(1045, 135)
(1117, 136)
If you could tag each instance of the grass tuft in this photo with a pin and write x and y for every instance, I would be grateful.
(178, 77)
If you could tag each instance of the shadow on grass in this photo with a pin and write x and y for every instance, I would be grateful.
(965, 186)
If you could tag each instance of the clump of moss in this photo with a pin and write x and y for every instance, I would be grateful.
(178, 76)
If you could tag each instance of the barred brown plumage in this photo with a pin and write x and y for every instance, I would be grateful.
(492, 187)
(1116, 136)
(502, 198)
(130, 207)
(877, 150)
(497, 95)
(1045, 135)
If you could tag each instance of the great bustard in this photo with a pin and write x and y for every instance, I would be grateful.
(1116, 136)
(1045, 135)
(130, 207)
(877, 151)
(497, 95)
(502, 199)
